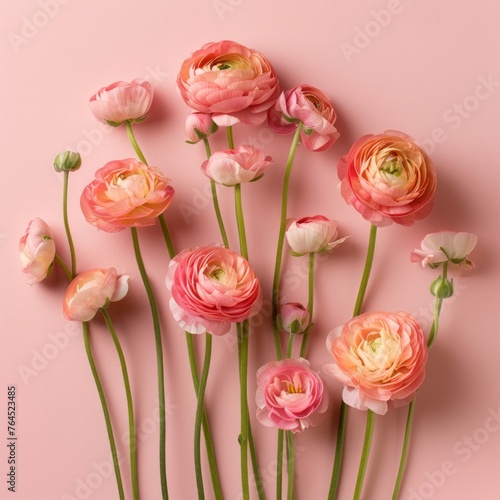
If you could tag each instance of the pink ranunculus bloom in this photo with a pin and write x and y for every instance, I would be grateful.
(380, 357)
(234, 83)
(122, 101)
(444, 246)
(290, 396)
(316, 234)
(212, 287)
(126, 193)
(313, 108)
(388, 178)
(234, 166)
(91, 291)
(294, 318)
(37, 251)
(199, 126)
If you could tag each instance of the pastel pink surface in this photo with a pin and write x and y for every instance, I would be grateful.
(427, 68)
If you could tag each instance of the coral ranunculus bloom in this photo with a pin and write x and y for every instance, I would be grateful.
(388, 178)
(380, 357)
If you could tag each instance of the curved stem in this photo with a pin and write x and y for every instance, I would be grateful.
(199, 416)
(281, 238)
(159, 361)
(366, 271)
(166, 236)
(240, 221)
(66, 224)
(290, 458)
(310, 304)
(105, 410)
(132, 140)
(130, 406)
(64, 267)
(365, 454)
(230, 139)
(438, 303)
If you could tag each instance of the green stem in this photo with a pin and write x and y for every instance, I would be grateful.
(242, 329)
(130, 406)
(230, 139)
(64, 267)
(366, 271)
(438, 303)
(132, 140)
(105, 410)
(66, 224)
(255, 465)
(281, 239)
(310, 304)
(290, 460)
(166, 236)
(365, 454)
(159, 361)
(279, 466)
(289, 348)
(199, 416)
(240, 221)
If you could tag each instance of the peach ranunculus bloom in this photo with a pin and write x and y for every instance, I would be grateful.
(446, 246)
(37, 251)
(290, 396)
(234, 83)
(91, 291)
(122, 101)
(388, 178)
(126, 193)
(380, 357)
(316, 234)
(314, 109)
(234, 166)
(212, 287)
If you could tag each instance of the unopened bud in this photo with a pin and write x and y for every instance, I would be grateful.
(67, 161)
(442, 288)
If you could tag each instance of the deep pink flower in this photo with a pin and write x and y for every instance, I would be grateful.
(199, 126)
(294, 318)
(37, 251)
(227, 79)
(122, 101)
(126, 193)
(234, 166)
(290, 396)
(91, 291)
(388, 178)
(380, 357)
(313, 108)
(212, 287)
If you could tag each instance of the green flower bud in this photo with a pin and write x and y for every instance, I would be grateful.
(442, 288)
(67, 161)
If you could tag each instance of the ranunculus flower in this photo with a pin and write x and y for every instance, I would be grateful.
(212, 287)
(294, 318)
(443, 246)
(388, 178)
(199, 126)
(315, 234)
(91, 291)
(126, 193)
(380, 357)
(227, 79)
(313, 108)
(234, 166)
(122, 101)
(290, 396)
(37, 251)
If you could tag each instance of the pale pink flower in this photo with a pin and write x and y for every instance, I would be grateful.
(388, 178)
(313, 108)
(443, 246)
(212, 287)
(316, 234)
(234, 83)
(122, 101)
(37, 251)
(91, 291)
(126, 193)
(294, 318)
(380, 357)
(234, 166)
(290, 396)
(199, 126)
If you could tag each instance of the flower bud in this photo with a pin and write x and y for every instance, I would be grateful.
(67, 161)
(293, 318)
(199, 126)
(442, 288)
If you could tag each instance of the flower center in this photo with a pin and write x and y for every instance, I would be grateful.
(393, 166)
(217, 274)
(293, 389)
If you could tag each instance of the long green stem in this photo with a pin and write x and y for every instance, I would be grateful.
(199, 416)
(310, 304)
(105, 410)
(365, 454)
(290, 458)
(289, 348)
(230, 139)
(339, 448)
(240, 221)
(279, 465)
(255, 465)
(130, 405)
(166, 236)
(132, 140)
(242, 329)
(64, 267)
(159, 361)
(66, 223)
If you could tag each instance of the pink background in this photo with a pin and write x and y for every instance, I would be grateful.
(407, 65)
